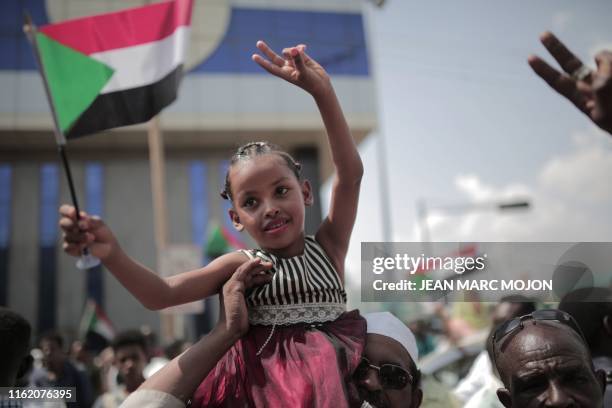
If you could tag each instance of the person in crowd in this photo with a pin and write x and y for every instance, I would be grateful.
(592, 309)
(388, 375)
(543, 361)
(59, 371)
(84, 358)
(590, 91)
(15, 356)
(303, 308)
(481, 383)
(130, 351)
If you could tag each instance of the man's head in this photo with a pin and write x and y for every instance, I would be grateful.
(51, 343)
(388, 376)
(130, 348)
(592, 309)
(543, 360)
(14, 346)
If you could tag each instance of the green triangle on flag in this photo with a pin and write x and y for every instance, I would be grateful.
(217, 245)
(75, 80)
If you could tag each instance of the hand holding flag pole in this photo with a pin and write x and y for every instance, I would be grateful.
(86, 260)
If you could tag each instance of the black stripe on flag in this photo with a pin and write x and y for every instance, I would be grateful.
(127, 107)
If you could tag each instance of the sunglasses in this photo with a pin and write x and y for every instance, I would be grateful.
(512, 325)
(391, 376)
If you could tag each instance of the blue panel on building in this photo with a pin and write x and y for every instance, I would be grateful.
(336, 40)
(14, 47)
(94, 185)
(94, 188)
(199, 202)
(226, 205)
(5, 228)
(5, 204)
(49, 203)
(47, 261)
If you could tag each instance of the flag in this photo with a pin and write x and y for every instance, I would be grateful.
(221, 241)
(115, 69)
(94, 320)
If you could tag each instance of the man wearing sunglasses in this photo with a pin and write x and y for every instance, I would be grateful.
(543, 361)
(388, 375)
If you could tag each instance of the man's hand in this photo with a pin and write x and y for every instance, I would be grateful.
(590, 91)
(235, 318)
(296, 67)
(181, 376)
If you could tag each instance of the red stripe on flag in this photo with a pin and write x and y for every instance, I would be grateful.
(231, 239)
(121, 29)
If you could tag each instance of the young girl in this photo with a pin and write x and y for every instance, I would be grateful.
(302, 345)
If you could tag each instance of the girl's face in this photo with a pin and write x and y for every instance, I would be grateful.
(269, 202)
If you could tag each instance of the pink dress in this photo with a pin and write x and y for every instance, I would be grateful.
(302, 346)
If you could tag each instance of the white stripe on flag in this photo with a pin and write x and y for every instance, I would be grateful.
(144, 64)
(104, 328)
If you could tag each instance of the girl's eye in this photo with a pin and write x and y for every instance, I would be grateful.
(249, 202)
(282, 190)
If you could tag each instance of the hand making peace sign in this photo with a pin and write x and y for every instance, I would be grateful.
(590, 91)
(294, 66)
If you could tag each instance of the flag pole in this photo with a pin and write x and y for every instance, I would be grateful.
(86, 260)
(171, 325)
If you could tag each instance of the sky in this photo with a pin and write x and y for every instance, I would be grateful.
(464, 120)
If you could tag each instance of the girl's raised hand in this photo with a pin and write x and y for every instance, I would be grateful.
(294, 66)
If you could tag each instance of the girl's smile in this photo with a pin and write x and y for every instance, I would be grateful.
(276, 226)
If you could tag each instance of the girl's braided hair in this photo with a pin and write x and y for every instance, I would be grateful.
(253, 149)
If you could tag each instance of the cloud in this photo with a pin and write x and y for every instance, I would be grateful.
(583, 174)
(570, 200)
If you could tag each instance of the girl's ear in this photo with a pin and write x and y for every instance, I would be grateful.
(235, 220)
(307, 193)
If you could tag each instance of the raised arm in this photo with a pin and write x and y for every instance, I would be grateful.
(590, 91)
(153, 291)
(299, 69)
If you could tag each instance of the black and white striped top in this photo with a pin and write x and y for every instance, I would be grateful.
(304, 289)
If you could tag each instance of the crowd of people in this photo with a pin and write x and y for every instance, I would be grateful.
(284, 337)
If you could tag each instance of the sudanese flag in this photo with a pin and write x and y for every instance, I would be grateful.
(115, 69)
